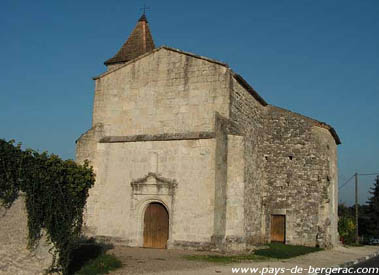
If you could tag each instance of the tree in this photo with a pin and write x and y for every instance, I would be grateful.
(373, 209)
(346, 223)
(364, 221)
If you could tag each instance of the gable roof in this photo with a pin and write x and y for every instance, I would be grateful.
(236, 76)
(156, 50)
(139, 42)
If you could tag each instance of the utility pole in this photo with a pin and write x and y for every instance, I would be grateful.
(356, 209)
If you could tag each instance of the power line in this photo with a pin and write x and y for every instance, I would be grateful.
(346, 182)
(356, 175)
(370, 174)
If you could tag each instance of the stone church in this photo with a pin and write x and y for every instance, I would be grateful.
(188, 155)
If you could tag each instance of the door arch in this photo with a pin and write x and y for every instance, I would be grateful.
(156, 226)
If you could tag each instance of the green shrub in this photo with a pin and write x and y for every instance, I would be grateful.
(346, 229)
(101, 265)
(55, 191)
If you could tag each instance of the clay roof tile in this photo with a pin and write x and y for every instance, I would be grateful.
(139, 42)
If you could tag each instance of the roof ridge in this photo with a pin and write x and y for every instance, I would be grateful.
(157, 49)
(195, 55)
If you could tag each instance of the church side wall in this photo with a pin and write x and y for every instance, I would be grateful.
(328, 222)
(290, 169)
(300, 177)
(163, 92)
(116, 210)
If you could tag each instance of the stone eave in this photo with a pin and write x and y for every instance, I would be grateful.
(236, 76)
(314, 121)
(158, 49)
(248, 88)
(82, 135)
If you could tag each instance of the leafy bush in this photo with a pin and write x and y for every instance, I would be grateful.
(101, 265)
(56, 191)
(346, 229)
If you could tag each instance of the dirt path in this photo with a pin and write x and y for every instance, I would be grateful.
(172, 262)
(146, 260)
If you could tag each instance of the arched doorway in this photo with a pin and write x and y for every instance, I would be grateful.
(155, 232)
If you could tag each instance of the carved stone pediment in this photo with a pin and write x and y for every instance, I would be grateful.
(153, 184)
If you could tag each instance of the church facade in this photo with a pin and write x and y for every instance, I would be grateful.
(188, 155)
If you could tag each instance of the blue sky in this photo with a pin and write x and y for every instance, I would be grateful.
(319, 58)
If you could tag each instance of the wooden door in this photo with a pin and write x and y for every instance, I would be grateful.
(155, 233)
(278, 228)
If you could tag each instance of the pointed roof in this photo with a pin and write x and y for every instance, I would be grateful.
(139, 42)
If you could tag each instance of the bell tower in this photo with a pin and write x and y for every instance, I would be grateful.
(139, 42)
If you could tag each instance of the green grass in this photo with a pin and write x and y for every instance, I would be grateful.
(282, 251)
(100, 265)
(353, 245)
(274, 251)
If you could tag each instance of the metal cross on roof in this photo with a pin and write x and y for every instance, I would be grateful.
(144, 8)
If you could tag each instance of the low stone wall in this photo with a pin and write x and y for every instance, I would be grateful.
(15, 258)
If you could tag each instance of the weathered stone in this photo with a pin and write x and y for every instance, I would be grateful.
(14, 255)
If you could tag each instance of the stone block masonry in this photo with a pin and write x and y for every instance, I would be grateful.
(14, 255)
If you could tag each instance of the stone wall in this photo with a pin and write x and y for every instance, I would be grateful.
(160, 106)
(116, 209)
(163, 92)
(86, 145)
(290, 170)
(328, 210)
(298, 175)
(14, 255)
(249, 116)
(235, 195)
